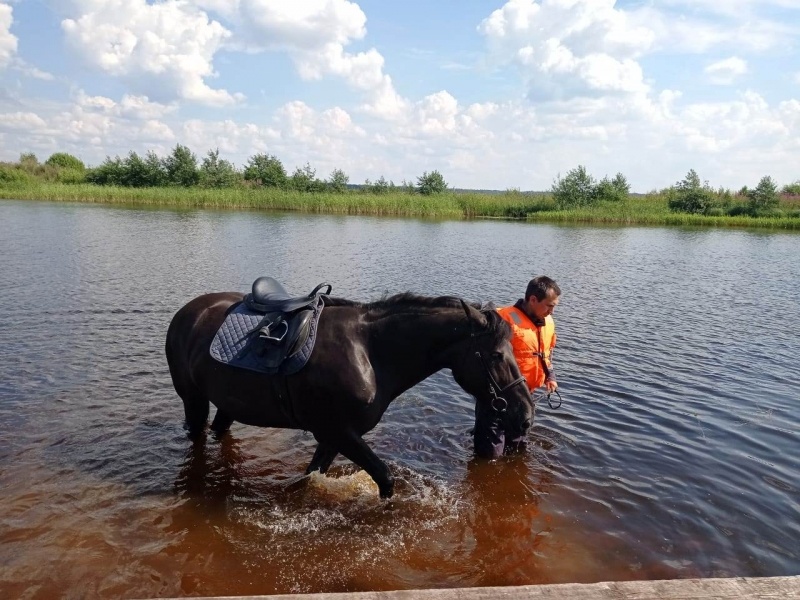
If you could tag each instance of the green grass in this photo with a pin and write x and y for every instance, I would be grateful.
(637, 210)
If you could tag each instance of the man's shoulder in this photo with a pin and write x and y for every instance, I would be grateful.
(509, 313)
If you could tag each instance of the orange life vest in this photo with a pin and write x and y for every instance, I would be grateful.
(532, 344)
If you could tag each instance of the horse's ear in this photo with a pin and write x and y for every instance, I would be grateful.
(481, 315)
(489, 316)
(494, 322)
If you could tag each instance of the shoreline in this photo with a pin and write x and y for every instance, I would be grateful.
(647, 210)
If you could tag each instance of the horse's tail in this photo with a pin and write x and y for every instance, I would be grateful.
(172, 348)
(177, 348)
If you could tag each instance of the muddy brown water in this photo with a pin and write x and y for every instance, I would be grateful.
(674, 454)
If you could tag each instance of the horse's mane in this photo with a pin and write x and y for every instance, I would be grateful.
(496, 327)
(402, 301)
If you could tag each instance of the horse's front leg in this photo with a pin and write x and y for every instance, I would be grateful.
(322, 459)
(354, 448)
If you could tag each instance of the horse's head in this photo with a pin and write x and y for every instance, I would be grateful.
(489, 371)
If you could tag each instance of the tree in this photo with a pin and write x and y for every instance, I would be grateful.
(155, 173)
(792, 188)
(764, 196)
(134, 171)
(181, 167)
(110, 172)
(690, 195)
(65, 161)
(304, 179)
(143, 172)
(28, 159)
(613, 190)
(265, 170)
(408, 187)
(576, 189)
(338, 181)
(620, 183)
(380, 186)
(216, 172)
(10, 175)
(431, 183)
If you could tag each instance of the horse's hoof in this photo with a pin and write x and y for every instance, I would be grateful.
(387, 491)
(196, 435)
(219, 435)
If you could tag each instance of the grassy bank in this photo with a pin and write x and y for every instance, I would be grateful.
(636, 210)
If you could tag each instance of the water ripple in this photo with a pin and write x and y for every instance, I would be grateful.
(673, 454)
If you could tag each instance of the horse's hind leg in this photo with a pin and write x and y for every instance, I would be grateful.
(323, 457)
(195, 404)
(222, 422)
(195, 407)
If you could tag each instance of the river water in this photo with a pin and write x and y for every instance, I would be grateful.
(674, 454)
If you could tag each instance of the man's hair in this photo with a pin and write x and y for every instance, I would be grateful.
(539, 286)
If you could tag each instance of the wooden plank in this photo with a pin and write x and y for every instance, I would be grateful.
(739, 588)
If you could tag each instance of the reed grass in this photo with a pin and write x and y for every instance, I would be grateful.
(637, 210)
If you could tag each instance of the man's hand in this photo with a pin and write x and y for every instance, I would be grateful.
(551, 385)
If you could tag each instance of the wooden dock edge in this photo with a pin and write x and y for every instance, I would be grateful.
(672, 589)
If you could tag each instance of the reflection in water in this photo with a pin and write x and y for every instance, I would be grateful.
(673, 454)
(211, 474)
(509, 530)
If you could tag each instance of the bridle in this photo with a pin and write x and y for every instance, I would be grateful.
(498, 403)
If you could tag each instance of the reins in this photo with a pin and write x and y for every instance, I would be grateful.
(498, 403)
(552, 403)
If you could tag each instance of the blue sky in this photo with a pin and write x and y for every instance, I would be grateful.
(492, 94)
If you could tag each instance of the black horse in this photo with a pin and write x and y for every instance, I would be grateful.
(365, 356)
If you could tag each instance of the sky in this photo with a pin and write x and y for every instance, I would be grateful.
(492, 94)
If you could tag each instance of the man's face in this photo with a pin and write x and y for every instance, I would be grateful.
(544, 307)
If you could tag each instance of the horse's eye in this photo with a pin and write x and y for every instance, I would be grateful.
(498, 356)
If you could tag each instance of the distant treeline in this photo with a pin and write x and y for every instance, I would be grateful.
(577, 190)
(181, 168)
(690, 195)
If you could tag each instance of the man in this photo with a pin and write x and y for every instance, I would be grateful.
(533, 336)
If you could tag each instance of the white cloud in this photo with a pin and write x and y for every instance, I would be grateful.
(314, 33)
(569, 47)
(307, 25)
(480, 111)
(8, 41)
(92, 127)
(20, 121)
(295, 132)
(164, 50)
(299, 122)
(702, 28)
(130, 107)
(31, 71)
(436, 114)
(140, 107)
(724, 72)
(385, 102)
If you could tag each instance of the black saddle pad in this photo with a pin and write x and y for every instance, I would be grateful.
(237, 344)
